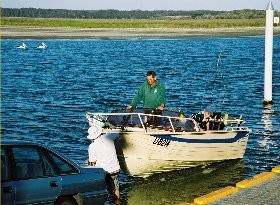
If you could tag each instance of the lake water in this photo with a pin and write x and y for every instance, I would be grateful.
(46, 93)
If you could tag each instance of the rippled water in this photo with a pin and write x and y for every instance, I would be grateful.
(46, 93)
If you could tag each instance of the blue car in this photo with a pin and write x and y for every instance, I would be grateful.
(34, 174)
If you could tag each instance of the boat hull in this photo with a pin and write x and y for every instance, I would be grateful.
(142, 154)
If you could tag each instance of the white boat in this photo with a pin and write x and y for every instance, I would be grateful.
(175, 142)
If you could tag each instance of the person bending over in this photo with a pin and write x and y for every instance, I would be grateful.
(102, 153)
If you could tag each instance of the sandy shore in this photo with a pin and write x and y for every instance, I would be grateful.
(23, 32)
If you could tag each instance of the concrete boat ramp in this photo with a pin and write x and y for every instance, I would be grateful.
(262, 189)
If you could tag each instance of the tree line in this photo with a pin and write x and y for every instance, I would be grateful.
(132, 14)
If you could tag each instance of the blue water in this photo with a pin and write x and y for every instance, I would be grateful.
(46, 93)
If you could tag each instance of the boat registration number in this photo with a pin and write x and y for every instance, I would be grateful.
(162, 142)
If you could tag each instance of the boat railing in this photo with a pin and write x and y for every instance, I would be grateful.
(118, 120)
(233, 121)
(145, 121)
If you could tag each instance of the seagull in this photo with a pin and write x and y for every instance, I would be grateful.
(23, 46)
(42, 46)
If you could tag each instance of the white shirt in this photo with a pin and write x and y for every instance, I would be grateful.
(102, 151)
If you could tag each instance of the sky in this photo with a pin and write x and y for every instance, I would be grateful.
(217, 5)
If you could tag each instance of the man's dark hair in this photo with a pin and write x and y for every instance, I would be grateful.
(151, 73)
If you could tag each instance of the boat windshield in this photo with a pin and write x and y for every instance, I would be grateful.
(168, 120)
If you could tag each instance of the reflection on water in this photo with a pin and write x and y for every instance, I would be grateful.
(188, 184)
(268, 113)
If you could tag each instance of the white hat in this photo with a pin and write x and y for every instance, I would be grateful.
(94, 132)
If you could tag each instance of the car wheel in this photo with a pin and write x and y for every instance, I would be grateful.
(66, 201)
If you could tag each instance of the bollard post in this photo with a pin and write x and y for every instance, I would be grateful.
(268, 54)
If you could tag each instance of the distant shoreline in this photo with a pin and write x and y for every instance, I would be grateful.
(8, 32)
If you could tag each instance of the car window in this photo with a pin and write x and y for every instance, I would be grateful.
(5, 175)
(28, 162)
(49, 170)
(62, 166)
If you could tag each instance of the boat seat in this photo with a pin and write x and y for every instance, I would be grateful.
(185, 126)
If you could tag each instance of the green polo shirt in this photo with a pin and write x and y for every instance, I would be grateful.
(152, 96)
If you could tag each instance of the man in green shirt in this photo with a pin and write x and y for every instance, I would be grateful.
(152, 92)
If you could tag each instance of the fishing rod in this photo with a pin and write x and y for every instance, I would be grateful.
(215, 81)
(222, 80)
(209, 82)
(225, 88)
(205, 87)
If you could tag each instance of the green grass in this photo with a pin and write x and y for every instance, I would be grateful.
(115, 23)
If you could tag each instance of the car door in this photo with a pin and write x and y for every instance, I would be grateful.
(7, 185)
(35, 180)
